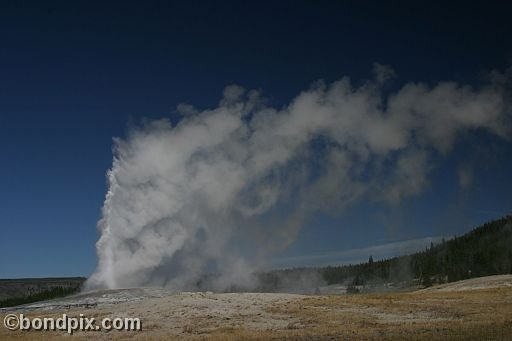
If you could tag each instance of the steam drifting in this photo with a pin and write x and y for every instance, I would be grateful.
(228, 187)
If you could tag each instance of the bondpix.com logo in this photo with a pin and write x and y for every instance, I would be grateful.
(70, 324)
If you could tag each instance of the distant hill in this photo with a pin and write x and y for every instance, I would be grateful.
(26, 290)
(484, 251)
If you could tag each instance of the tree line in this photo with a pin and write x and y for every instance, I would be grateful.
(484, 251)
(48, 294)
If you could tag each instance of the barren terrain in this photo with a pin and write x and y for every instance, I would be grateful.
(473, 309)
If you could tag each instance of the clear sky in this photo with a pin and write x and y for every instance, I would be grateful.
(75, 74)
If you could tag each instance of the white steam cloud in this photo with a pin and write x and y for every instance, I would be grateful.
(227, 188)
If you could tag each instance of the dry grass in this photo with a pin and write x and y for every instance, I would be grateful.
(471, 315)
(467, 315)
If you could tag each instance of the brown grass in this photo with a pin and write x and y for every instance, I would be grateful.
(470, 315)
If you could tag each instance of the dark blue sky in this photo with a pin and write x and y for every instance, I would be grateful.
(73, 74)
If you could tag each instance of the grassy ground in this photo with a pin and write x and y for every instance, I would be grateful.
(471, 315)
(468, 315)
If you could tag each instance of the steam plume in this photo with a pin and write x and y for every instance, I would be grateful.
(227, 187)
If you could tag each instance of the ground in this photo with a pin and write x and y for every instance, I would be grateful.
(476, 309)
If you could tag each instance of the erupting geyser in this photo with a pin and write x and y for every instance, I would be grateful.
(213, 193)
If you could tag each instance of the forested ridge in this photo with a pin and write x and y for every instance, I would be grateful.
(484, 251)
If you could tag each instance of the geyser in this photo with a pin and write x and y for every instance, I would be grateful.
(228, 187)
